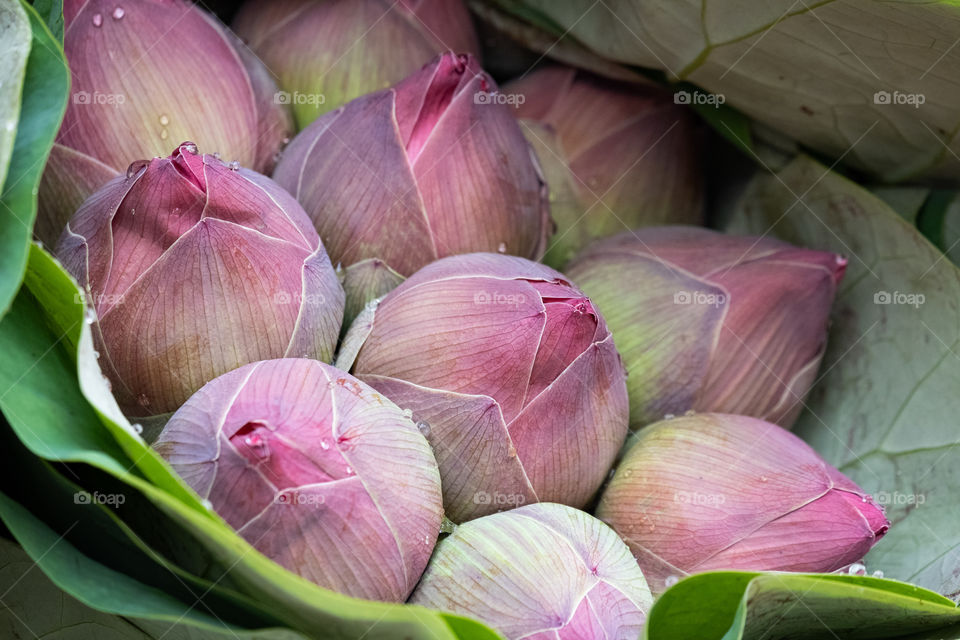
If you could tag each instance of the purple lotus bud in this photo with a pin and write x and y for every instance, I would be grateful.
(195, 267)
(717, 491)
(711, 322)
(615, 155)
(136, 70)
(326, 53)
(541, 571)
(429, 168)
(510, 371)
(316, 470)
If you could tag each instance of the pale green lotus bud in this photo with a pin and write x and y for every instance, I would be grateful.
(539, 572)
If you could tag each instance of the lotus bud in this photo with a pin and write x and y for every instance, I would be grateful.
(426, 169)
(135, 77)
(511, 372)
(316, 470)
(326, 53)
(710, 322)
(540, 571)
(716, 491)
(195, 267)
(616, 156)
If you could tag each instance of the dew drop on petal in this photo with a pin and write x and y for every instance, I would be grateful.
(216, 154)
(763, 478)
(207, 504)
(136, 167)
(857, 569)
(164, 120)
(137, 427)
(189, 147)
(96, 354)
(234, 166)
(878, 573)
(668, 416)
(502, 247)
(324, 444)
(118, 13)
(408, 413)
(424, 428)
(97, 20)
(164, 134)
(349, 471)
(670, 581)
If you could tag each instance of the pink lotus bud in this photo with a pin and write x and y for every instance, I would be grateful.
(541, 571)
(195, 267)
(712, 322)
(716, 491)
(615, 155)
(512, 373)
(138, 71)
(316, 470)
(326, 53)
(430, 168)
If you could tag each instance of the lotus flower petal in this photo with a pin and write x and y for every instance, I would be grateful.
(718, 323)
(137, 89)
(512, 370)
(541, 570)
(429, 168)
(196, 268)
(617, 156)
(718, 491)
(328, 53)
(316, 470)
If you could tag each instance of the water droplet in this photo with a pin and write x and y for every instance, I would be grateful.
(408, 413)
(89, 317)
(118, 13)
(216, 154)
(234, 166)
(671, 580)
(136, 167)
(511, 452)
(143, 400)
(133, 212)
(502, 248)
(339, 267)
(176, 211)
(164, 120)
(668, 416)
(349, 471)
(96, 354)
(424, 428)
(164, 134)
(324, 444)
(207, 504)
(763, 478)
(857, 569)
(286, 139)
(137, 427)
(878, 573)
(97, 20)
(189, 147)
